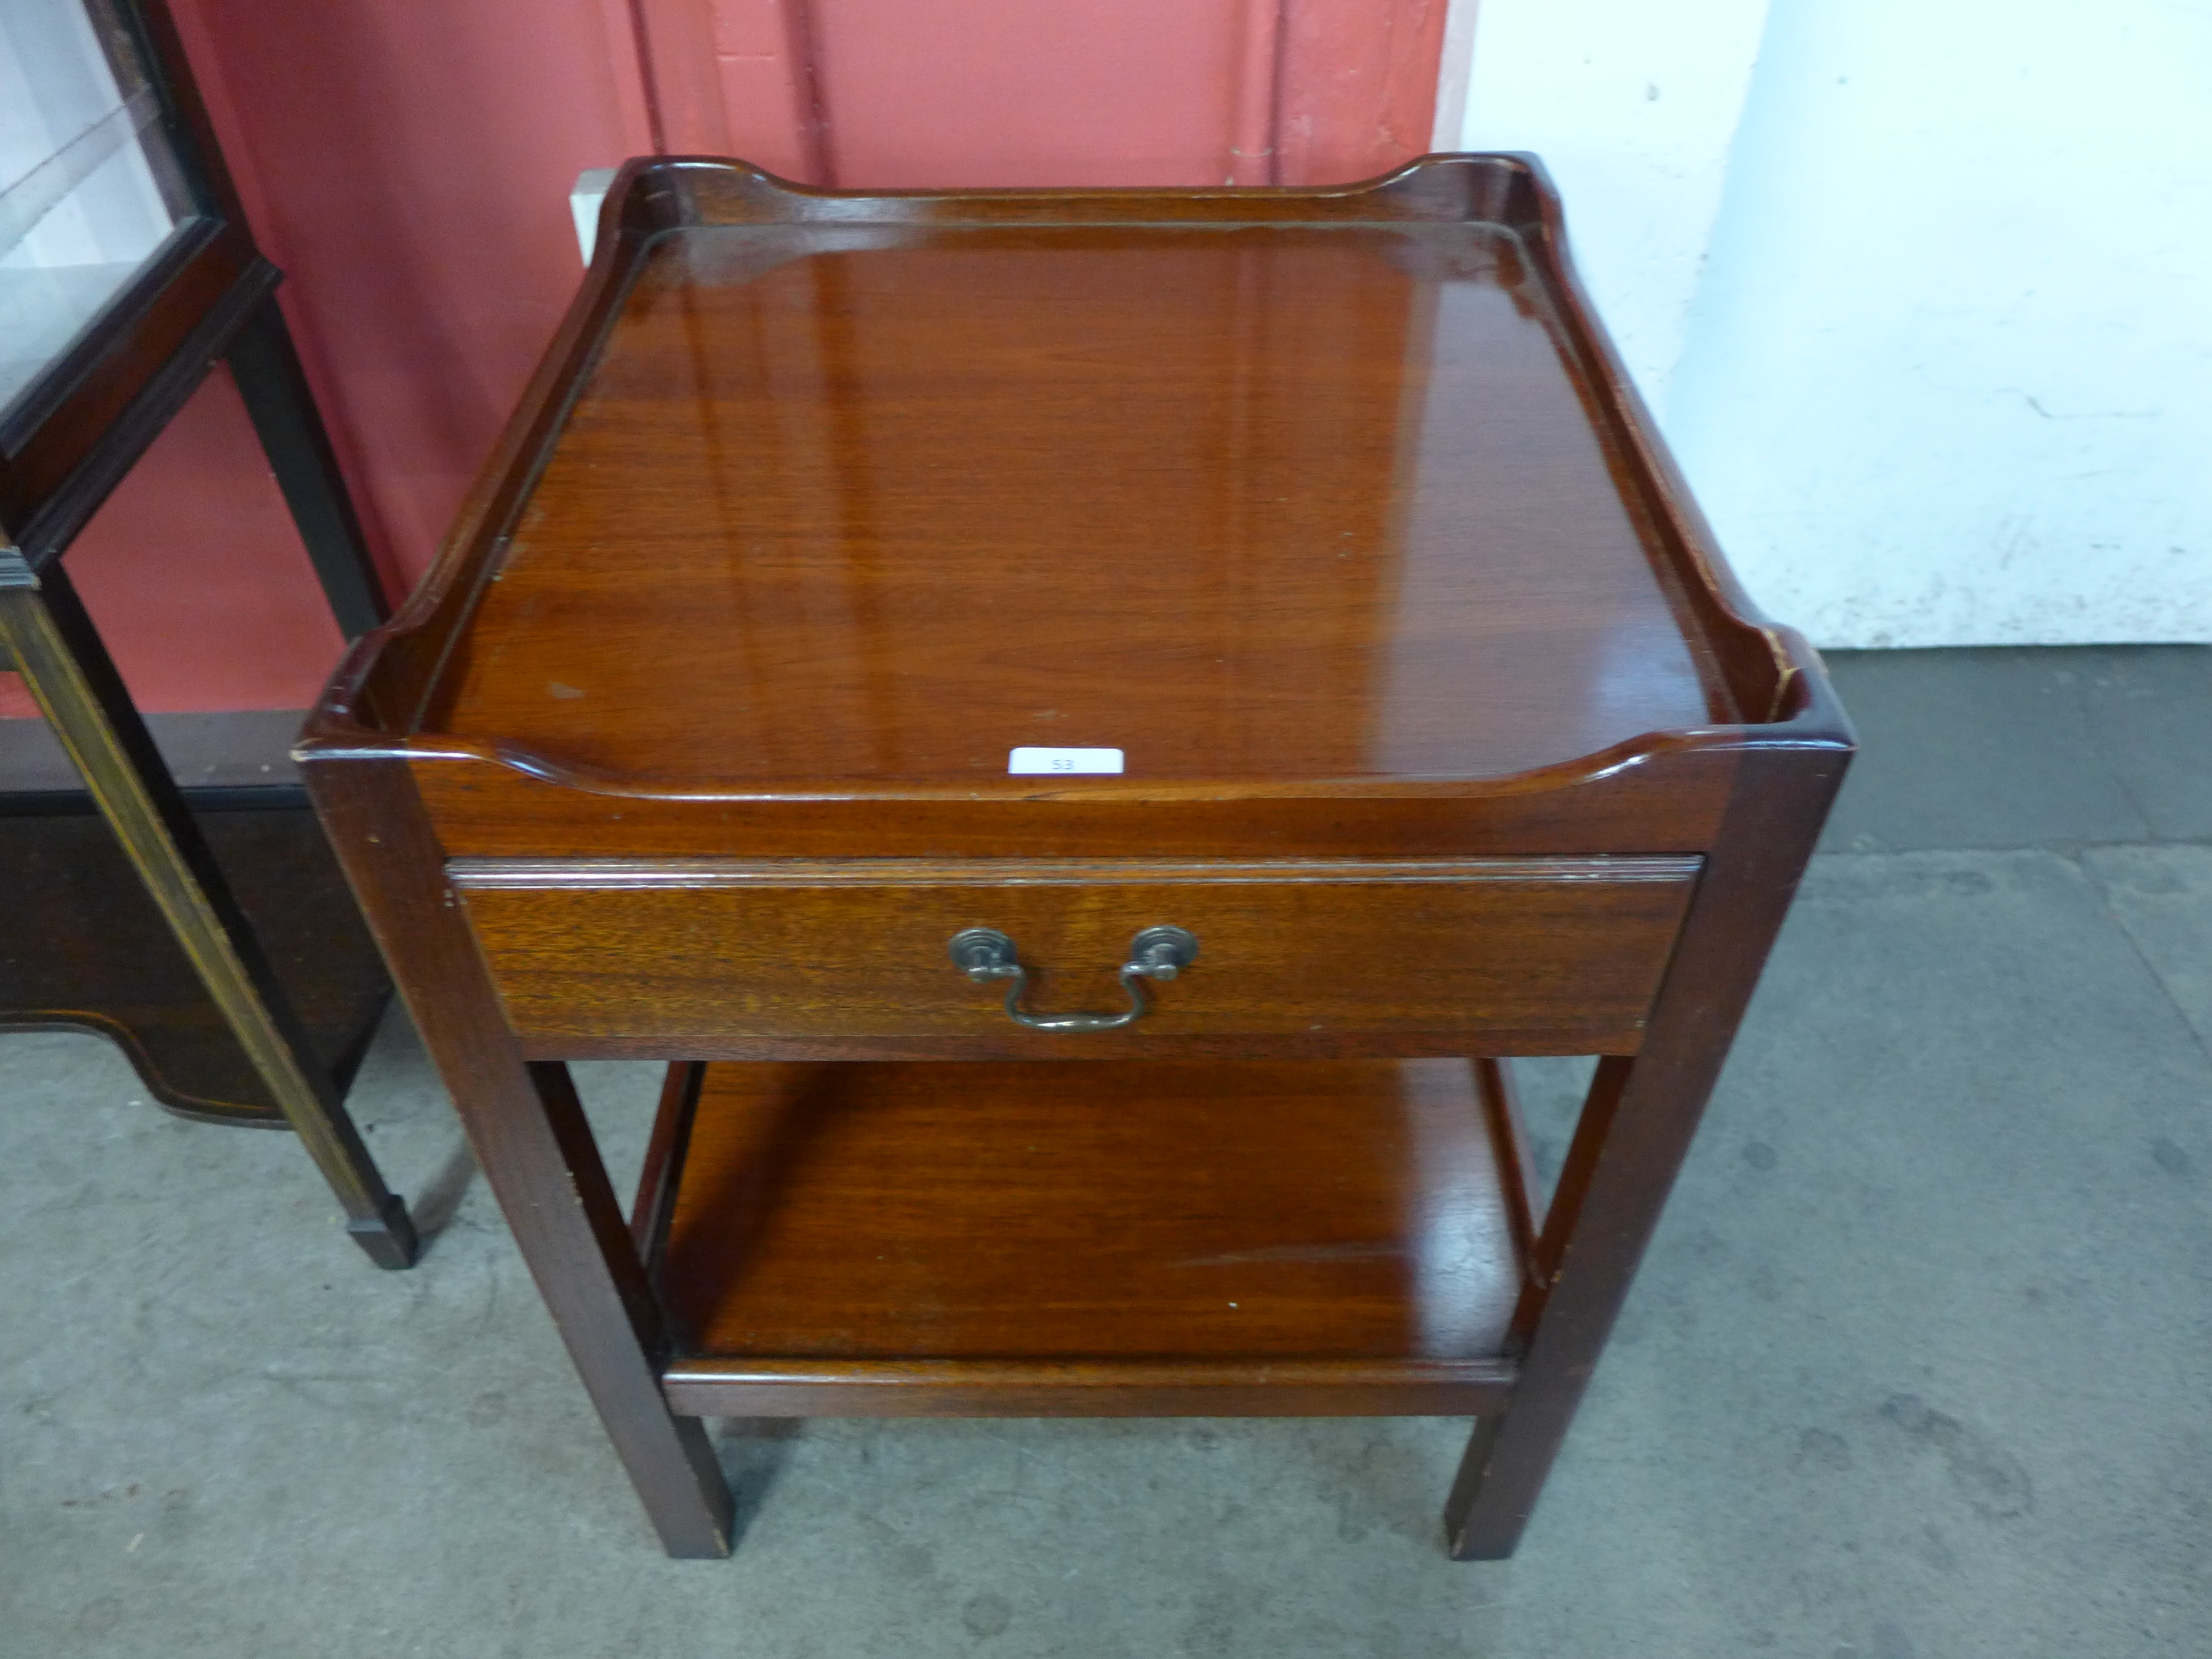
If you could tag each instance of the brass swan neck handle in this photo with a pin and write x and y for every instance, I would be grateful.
(1157, 953)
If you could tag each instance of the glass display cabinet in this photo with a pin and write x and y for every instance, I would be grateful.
(96, 189)
(126, 273)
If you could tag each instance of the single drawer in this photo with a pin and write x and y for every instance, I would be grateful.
(713, 958)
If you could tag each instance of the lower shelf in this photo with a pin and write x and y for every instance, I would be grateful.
(1087, 1238)
(86, 948)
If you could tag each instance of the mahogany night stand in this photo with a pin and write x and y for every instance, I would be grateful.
(1084, 724)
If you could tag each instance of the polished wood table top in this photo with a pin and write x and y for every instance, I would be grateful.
(1264, 502)
(1438, 734)
(1293, 496)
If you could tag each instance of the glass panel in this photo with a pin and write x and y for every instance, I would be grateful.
(89, 186)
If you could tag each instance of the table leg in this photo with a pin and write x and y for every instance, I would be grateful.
(67, 669)
(1635, 1131)
(610, 1318)
(533, 1144)
(1618, 1182)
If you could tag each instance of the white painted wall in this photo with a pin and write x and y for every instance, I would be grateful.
(1634, 105)
(1924, 311)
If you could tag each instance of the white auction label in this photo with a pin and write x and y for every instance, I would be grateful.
(1023, 762)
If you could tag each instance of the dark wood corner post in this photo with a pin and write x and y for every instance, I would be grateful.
(1635, 1130)
(274, 388)
(530, 1137)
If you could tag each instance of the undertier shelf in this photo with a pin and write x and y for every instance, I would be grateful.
(1308, 1237)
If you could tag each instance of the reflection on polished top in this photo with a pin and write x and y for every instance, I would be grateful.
(1244, 502)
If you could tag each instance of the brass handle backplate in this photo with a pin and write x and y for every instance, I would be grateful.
(985, 954)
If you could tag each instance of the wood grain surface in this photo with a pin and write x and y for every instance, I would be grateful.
(711, 957)
(1666, 801)
(1335, 492)
(1035, 1223)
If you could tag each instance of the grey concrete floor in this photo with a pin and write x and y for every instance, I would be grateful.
(1915, 1366)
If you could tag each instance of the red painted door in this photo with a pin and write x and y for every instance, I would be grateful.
(408, 163)
(859, 92)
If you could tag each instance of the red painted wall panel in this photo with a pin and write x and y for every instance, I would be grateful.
(1358, 87)
(1009, 92)
(409, 165)
(195, 577)
(769, 108)
(889, 92)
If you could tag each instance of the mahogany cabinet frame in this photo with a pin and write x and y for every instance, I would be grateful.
(206, 295)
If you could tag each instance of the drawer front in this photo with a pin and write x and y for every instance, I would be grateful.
(714, 958)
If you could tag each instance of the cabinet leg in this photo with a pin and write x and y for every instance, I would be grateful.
(388, 1237)
(68, 670)
(274, 388)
